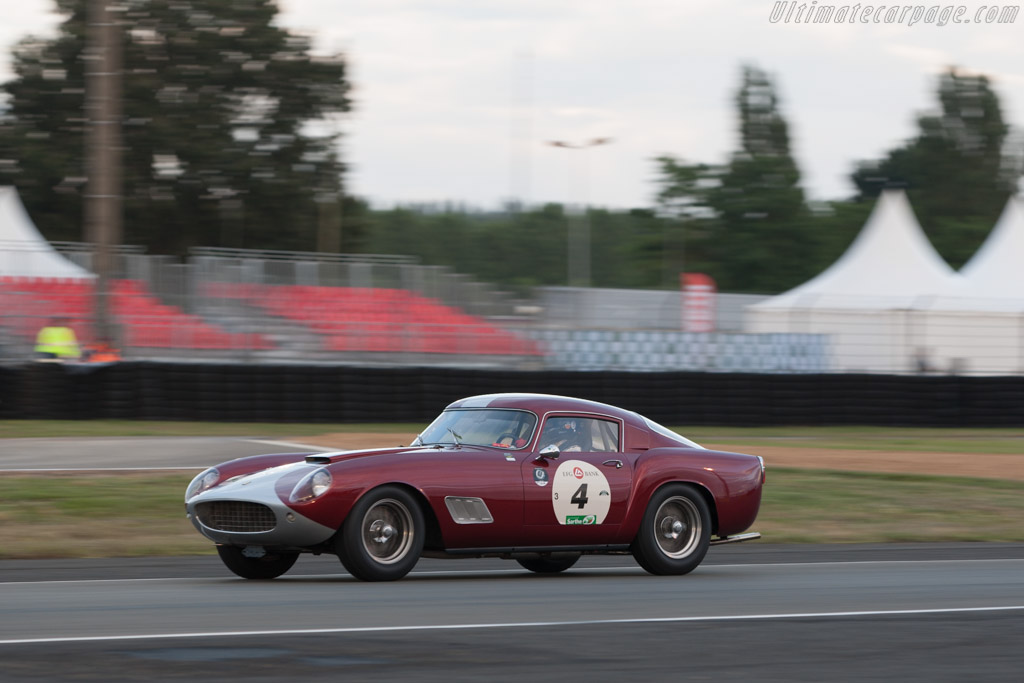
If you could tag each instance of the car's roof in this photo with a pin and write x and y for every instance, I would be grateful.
(543, 403)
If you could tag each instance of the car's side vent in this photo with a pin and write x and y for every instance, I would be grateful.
(318, 460)
(468, 510)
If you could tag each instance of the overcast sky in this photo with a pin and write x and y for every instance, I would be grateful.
(456, 98)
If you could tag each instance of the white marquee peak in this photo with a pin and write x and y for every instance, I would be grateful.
(24, 252)
(997, 268)
(890, 263)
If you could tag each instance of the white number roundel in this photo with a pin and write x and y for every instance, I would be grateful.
(580, 493)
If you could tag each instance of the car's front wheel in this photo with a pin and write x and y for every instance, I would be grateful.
(675, 532)
(383, 535)
(548, 564)
(256, 563)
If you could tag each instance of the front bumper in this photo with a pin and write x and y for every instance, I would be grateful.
(249, 512)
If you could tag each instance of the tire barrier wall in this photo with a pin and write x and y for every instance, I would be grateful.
(333, 393)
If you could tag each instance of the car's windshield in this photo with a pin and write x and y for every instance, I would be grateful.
(509, 429)
(665, 431)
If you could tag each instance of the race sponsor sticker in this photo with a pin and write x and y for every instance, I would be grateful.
(581, 519)
(540, 476)
(579, 493)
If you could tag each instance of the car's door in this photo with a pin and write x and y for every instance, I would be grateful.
(580, 497)
(476, 494)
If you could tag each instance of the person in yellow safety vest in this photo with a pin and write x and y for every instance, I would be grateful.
(57, 340)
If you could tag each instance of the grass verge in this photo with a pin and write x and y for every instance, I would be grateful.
(817, 506)
(851, 437)
(25, 429)
(96, 515)
(918, 439)
(133, 514)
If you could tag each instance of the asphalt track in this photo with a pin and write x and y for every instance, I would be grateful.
(751, 612)
(754, 612)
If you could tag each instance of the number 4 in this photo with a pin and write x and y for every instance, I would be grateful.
(580, 497)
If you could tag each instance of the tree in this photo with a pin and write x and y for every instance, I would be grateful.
(955, 171)
(229, 128)
(748, 217)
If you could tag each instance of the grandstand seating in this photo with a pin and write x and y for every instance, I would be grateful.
(360, 319)
(145, 321)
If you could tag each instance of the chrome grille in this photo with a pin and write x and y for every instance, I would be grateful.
(235, 515)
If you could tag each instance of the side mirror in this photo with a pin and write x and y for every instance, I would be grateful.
(551, 452)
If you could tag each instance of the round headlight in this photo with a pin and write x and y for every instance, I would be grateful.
(203, 481)
(311, 486)
(321, 481)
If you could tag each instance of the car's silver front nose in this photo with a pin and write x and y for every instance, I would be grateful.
(249, 512)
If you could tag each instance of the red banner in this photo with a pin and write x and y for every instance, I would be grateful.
(698, 302)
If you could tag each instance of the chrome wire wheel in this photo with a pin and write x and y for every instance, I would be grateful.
(677, 527)
(382, 537)
(675, 532)
(387, 531)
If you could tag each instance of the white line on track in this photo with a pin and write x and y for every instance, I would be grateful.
(295, 577)
(523, 624)
(493, 572)
(293, 444)
(833, 563)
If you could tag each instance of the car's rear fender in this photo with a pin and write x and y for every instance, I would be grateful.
(726, 480)
(638, 505)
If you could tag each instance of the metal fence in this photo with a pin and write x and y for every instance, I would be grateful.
(566, 328)
(949, 335)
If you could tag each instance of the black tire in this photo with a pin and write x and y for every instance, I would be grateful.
(548, 564)
(270, 566)
(675, 532)
(383, 535)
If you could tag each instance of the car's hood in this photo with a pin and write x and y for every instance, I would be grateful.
(258, 485)
(333, 457)
(240, 485)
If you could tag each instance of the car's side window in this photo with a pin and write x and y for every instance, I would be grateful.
(609, 436)
(587, 434)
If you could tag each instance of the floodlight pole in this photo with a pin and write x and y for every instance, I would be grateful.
(578, 251)
(103, 220)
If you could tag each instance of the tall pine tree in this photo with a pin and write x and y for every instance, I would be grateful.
(229, 127)
(765, 226)
(746, 221)
(954, 169)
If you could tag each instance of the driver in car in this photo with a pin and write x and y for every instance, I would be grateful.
(564, 433)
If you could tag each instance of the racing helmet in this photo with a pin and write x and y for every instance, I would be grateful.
(565, 428)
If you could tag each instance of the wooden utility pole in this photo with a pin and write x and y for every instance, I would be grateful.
(103, 220)
(328, 238)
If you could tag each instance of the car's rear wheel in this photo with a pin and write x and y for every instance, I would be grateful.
(383, 535)
(256, 563)
(548, 564)
(675, 532)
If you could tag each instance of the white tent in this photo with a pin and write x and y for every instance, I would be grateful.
(996, 270)
(24, 252)
(979, 319)
(889, 265)
(868, 300)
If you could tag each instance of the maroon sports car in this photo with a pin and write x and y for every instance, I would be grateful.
(535, 478)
